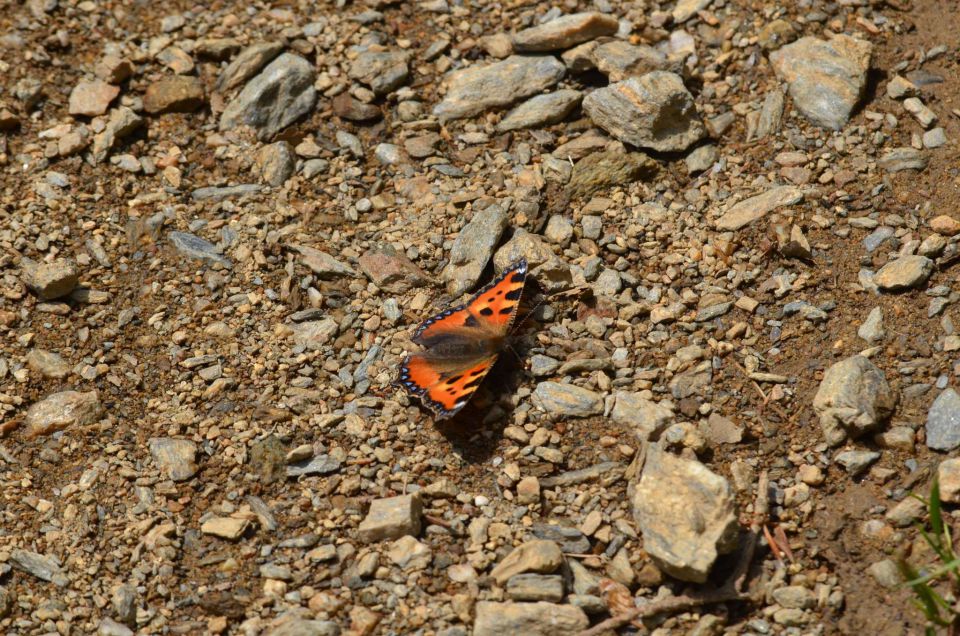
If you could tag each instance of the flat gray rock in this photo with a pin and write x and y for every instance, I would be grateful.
(900, 159)
(479, 88)
(541, 110)
(61, 410)
(45, 568)
(247, 64)
(652, 111)
(872, 328)
(568, 399)
(564, 32)
(904, 273)
(305, 627)
(856, 461)
(214, 193)
(274, 99)
(943, 422)
(175, 457)
(686, 513)
(325, 266)
(853, 398)
(382, 71)
(647, 418)
(198, 248)
(755, 208)
(317, 465)
(473, 248)
(529, 619)
(826, 78)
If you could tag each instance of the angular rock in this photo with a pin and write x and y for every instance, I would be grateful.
(213, 193)
(317, 465)
(51, 280)
(948, 477)
(113, 69)
(326, 267)
(648, 419)
(276, 162)
(853, 398)
(274, 99)
(721, 430)
(568, 399)
(247, 64)
(826, 79)
(535, 587)
(529, 619)
(564, 32)
(227, 528)
(605, 169)
(177, 458)
(620, 60)
(61, 410)
(900, 159)
(409, 554)
(652, 111)
(305, 627)
(904, 273)
(538, 556)
(856, 461)
(473, 90)
(473, 247)
(943, 422)
(48, 364)
(110, 627)
(121, 123)
(388, 270)
(872, 328)
(92, 98)
(749, 210)
(45, 568)
(541, 110)
(391, 518)
(193, 246)
(686, 9)
(382, 71)
(686, 513)
(180, 94)
(347, 107)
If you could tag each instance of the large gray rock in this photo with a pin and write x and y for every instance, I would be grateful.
(564, 32)
(687, 515)
(529, 619)
(826, 78)
(473, 248)
(943, 422)
(473, 90)
(652, 111)
(274, 99)
(854, 398)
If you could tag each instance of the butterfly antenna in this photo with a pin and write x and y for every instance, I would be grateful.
(523, 319)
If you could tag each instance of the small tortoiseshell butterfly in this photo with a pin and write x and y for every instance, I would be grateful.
(462, 343)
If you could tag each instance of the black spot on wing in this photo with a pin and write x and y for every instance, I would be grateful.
(514, 294)
(471, 321)
(486, 311)
(454, 379)
(506, 311)
(517, 277)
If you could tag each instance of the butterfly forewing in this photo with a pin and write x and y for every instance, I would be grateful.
(461, 344)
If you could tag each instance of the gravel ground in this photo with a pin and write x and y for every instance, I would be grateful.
(220, 226)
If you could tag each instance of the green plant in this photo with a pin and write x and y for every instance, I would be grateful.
(938, 611)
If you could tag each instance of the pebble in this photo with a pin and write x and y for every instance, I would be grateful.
(853, 398)
(943, 422)
(391, 518)
(904, 273)
(382, 71)
(856, 461)
(409, 554)
(180, 94)
(702, 158)
(122, 122)
(44, 567)
(535, 587)
(193, 246)
(530, 619)
(538, 556)
(886, 573)
(473, 90)
(872, 328)
(900, 159)
(825, 78)
(177, 458)
(652, 111)
(620, 60)
(321, 464)
(62, 410)
(473, 247)
(682, 544)
(49, 281)
(227, 528)
(606, 169)
(281, 94)
(745, 212)
(541, 110)
(564, 32)
(248, 63)
(647, 418)
(48, 364)
(92, 98)
(934, 138)
(567, 399)
(277, 163)
(948, 477)
(219, 193)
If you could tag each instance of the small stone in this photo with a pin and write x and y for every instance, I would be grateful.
(886, 573)
(945, 224)
(934, 138)
(391, 518)
(872, 328)
(721, 430)
(906, 512)
(382, 71)
(795, 597)
(347, 107)
(218, 49)
(48, 364)
(775, 34)
(749, 210)
(541, 110)
(826, 78)
(225, 527)
(113, 69)
(564, 32)
(569, 539)
(475, 89)
(61, 410)
(948, 478)
(389, 270)
(620, 60)
(652, 111)
(109, 627)
(276, 162)
(250, 61)
(535, 587)
(943, 422)
(45, 568)
(306, 627)
(225, 192)
(529, 619)
(920, 111)
(409, 554)
(853, 398)
(811, 475)
(686, 513)
(49, 280)
(568, 399)
(180, 94)
(856, 461)
(559, 230)
(606, 169)
(177, 60)
(175, 457)
(275, 98)
(528, 490)
(701, 158)
(904, 273)
(686, 9)
(122, 123)
(322, 464)
(539, 556)
(197, 248)
(647, 418)
(473, 247)
(900, 159)
(899, 87)
(92, 98)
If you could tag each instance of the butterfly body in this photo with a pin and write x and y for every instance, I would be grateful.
(461, 344)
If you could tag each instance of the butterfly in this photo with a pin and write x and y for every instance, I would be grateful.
(461, 344)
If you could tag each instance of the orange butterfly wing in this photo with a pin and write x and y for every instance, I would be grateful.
(461, 344)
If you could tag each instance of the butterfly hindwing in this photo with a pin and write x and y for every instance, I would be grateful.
(462, 343)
